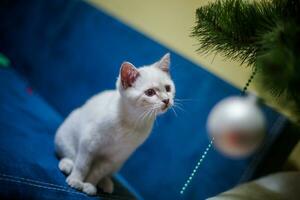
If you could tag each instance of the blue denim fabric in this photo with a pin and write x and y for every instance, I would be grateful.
(68, 51)
(28, 165)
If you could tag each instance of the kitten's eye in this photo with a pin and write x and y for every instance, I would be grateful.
(168, 88)
(150, 92)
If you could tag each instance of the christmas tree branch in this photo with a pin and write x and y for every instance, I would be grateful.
(264, 34)
(232, 27)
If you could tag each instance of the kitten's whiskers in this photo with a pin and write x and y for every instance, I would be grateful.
(180, 107)
(185, 100)
(174, 111)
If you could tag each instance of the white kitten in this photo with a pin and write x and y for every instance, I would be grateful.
(96, 139)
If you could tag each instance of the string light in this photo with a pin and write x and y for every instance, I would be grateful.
(188, 181)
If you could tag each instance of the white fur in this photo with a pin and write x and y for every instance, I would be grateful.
(96, 139)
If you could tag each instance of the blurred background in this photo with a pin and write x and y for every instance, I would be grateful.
(55, 54)
(170, 22)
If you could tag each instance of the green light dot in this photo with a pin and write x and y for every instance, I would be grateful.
(4, 61)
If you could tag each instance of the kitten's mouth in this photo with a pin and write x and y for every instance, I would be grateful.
(165, 107)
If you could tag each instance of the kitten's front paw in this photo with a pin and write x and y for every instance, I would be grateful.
(74, 183)
(66, 165)
(89, 189)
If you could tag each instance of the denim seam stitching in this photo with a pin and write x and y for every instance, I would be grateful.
(40, 186)
(50, 186)
(34, 181)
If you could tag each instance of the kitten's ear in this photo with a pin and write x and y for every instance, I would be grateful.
(128, 74)
(164, 63)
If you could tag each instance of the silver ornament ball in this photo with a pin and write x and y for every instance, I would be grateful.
(237, 126)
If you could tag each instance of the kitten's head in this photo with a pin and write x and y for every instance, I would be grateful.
(147, 88)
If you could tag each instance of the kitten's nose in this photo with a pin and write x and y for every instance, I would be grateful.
(166, 101)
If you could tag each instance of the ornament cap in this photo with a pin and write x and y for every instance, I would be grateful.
(252, 98)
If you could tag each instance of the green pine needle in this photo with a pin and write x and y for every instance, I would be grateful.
(279, 60)
(264, 34)
(232, 27)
